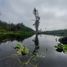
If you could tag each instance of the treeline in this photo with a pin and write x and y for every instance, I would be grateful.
(13, 27)
(56, 32)
(14, 31)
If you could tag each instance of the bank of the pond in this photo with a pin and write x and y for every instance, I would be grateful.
(15, 35)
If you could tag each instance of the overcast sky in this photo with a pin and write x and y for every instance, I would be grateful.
(53, 13)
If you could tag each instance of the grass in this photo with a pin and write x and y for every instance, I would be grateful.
(14, 35)
(65, 47)
(24, 51)
(21, 49)
(61, 47)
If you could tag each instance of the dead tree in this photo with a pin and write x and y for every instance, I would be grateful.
(37, 18)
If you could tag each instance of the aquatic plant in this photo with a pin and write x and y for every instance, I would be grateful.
(18, 46)
(61, 48)
(33, 59)
(21, 49)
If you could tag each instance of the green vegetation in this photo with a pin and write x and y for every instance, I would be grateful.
(4, 27)
(16, 31)
(15, 35)
(21, 49)
(61, 48)
(30, 57)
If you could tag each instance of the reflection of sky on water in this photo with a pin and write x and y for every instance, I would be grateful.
(43, 48)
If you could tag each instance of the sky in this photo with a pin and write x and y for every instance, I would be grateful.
(53, 13)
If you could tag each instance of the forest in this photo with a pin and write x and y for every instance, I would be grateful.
(8, 31)
(62, 32)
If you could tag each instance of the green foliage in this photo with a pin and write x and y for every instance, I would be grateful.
(24, 51)
(21, 49)
(14, 27)
(61, 47)
(17, 31)
(14, 35)
(65, 47)
(18, 46)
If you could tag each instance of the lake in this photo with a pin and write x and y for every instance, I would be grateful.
(42, 53)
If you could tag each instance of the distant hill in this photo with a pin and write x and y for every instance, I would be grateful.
(56, 32)
(14, 27)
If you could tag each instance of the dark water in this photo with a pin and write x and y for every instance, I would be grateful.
(42, 53)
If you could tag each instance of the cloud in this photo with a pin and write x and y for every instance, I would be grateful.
(53, 13)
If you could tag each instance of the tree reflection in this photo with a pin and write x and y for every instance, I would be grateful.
(29, 58)
(32, 58)
(36, 42)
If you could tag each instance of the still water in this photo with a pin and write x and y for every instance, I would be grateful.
(42, 53)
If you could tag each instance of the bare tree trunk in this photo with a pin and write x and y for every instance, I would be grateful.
(37, 18)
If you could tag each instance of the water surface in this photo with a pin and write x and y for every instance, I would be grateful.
(42, 53)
